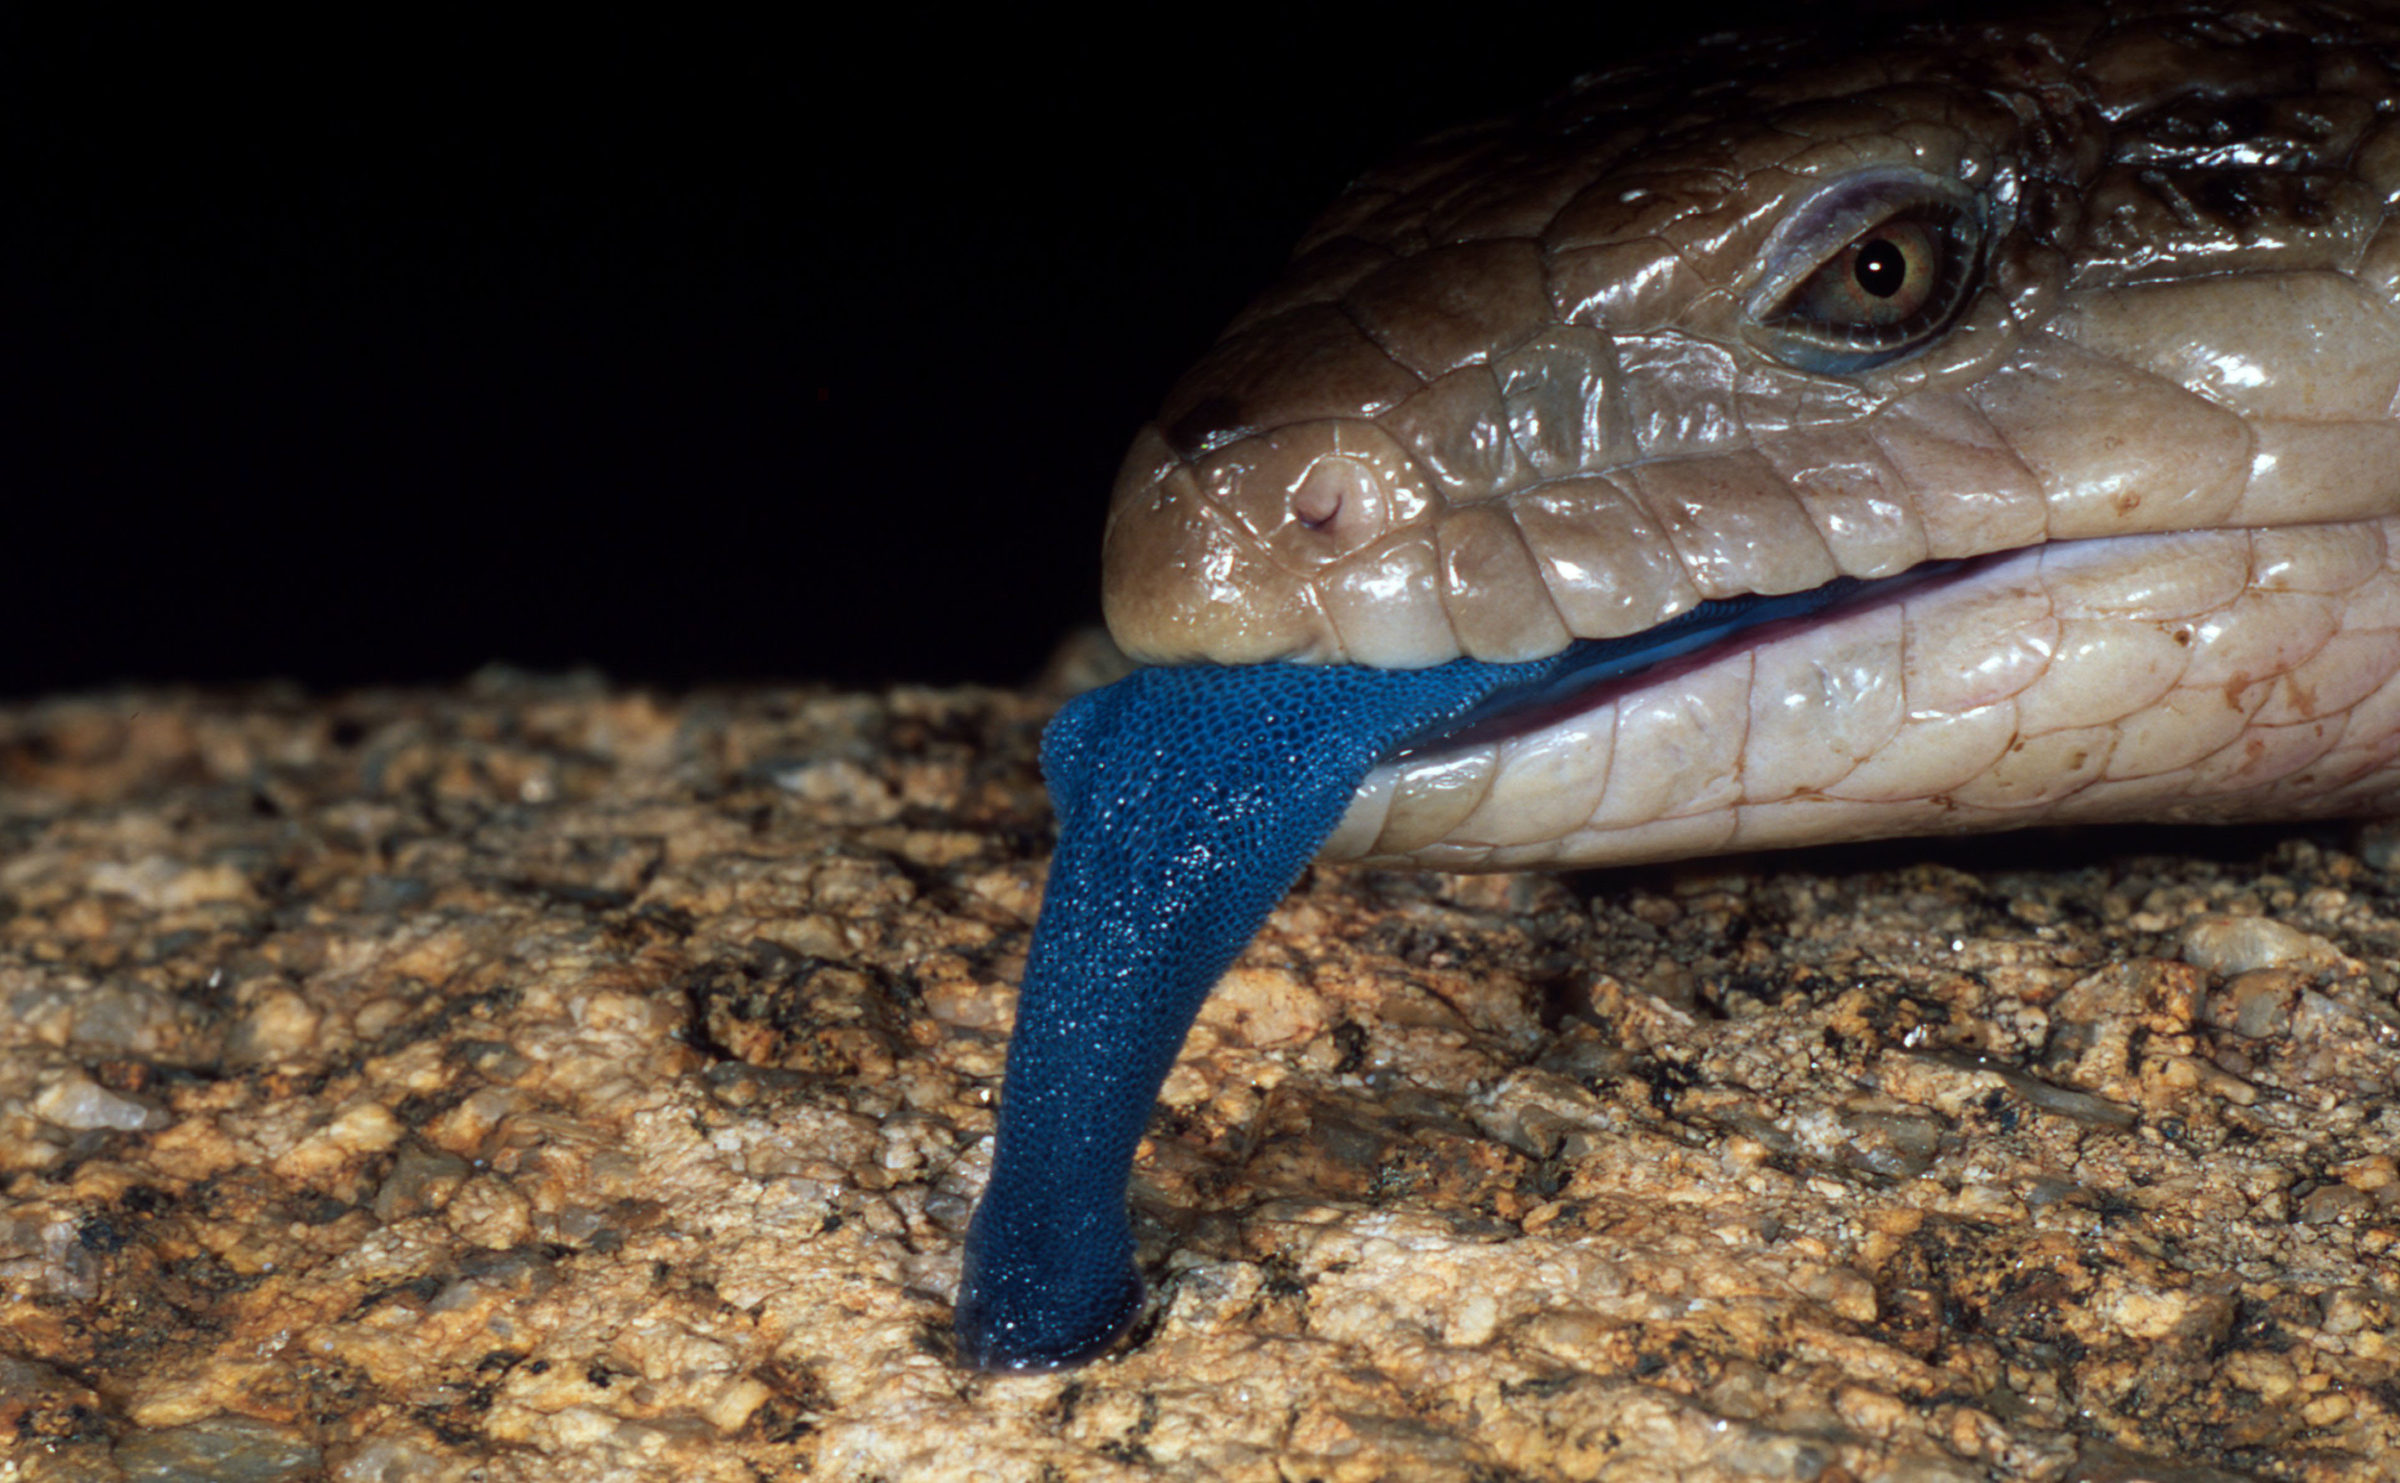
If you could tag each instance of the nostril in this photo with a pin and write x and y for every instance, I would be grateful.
(1330, 486)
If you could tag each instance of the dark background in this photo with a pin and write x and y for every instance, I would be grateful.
(377, 349)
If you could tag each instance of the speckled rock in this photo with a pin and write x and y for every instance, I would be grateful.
(539, 1081)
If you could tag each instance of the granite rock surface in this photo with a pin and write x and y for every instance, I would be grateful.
(537, 1080)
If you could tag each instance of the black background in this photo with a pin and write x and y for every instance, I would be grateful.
(376, 349)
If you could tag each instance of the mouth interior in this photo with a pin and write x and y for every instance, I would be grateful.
(1591, 670)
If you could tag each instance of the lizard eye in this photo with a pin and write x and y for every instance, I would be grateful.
(1868, 271)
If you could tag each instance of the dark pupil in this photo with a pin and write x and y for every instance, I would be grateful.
(1881, 268)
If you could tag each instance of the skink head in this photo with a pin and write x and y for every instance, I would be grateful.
(1741, 322)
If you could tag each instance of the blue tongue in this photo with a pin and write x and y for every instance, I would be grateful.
(1188, 801)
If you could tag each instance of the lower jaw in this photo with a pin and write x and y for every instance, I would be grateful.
(2211, 675)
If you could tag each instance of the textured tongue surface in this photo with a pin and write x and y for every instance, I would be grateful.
(1188, 801)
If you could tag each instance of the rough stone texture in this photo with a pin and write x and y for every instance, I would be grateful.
(537, 1081)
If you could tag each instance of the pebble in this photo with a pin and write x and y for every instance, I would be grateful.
(2256, 1004)
(2231, 945)
(222, 1449)
(76, 1101)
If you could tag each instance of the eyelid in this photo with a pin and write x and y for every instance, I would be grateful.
(1820, 227)
(1810, 240)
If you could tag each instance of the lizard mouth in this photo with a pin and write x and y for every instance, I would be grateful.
(1595, 671)
(2207, 673)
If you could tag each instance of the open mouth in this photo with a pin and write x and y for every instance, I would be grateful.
(1594, 671)
(2203, 673)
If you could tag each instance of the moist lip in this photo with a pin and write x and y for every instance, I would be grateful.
(1685, 643)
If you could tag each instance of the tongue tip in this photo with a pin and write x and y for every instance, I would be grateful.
(1039, 1336)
